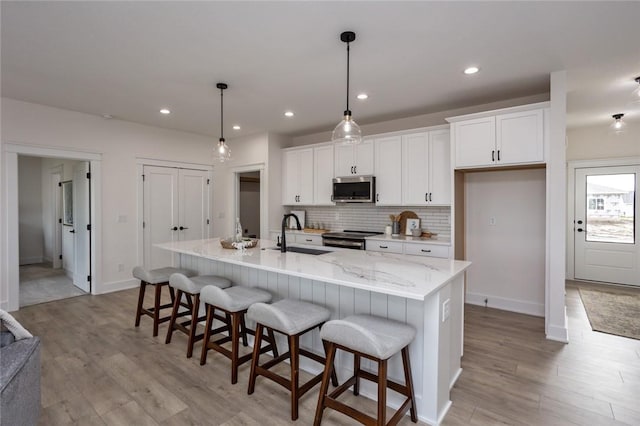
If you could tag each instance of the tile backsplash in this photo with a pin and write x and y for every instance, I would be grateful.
(366, 217)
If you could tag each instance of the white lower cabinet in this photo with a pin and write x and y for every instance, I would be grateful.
(311, 239)
(431, 250)
(385, 246)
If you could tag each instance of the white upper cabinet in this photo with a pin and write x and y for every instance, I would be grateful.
(322, 175)
(426, 168)
(510, 136)
(388, 167)
(351, 160)
(297, 177)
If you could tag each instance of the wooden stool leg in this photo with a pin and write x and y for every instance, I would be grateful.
(235, 343)
(294, 358)
(143, 286)
(156, 309)
(194, 324)
(174, 315)
(409, 383)
(324, 386)
(255, 359)
(356, 373)
(207, 334)
(274, 347)
(334, 376)
(243, 328)
(382, 392)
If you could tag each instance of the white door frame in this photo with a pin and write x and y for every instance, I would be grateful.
(140, 163)
(55, 178)
(571, 195)
(264, 211)
(10, 278)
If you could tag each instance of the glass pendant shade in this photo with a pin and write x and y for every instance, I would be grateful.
(223, 152)
(618, 127)
(347, 131)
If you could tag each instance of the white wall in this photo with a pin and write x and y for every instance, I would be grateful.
(119, 143)
(596, 142)
(31, 234)
(508, 258)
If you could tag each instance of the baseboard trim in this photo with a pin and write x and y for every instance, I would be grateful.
(31, 260)
(112, 286)
(559, 333)
(520, 306)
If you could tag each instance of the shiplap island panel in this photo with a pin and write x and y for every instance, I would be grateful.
(424, 292)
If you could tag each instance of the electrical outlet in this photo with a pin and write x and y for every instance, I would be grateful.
(446, 310)
(492, 221)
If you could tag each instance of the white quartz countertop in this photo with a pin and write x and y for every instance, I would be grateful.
(412, 277)
(409, 239)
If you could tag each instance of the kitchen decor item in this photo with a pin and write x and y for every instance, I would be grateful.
(395, 228)
(412, 224)
(402, 218)
(230, 243)
(387, 229)
(224, 153)
(347, 131)
(416, 232)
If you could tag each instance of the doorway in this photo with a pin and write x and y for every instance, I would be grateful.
(54, 256)
(606, 228)
(249, 203)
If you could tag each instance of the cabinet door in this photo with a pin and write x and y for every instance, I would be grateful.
(344, 160)
(430, 250)
(388, 154)
(440, 167)
(364, 158)
(305, 176)
(290, 179)
(314, 240)
(322, 175)
(415, 174)
(520, 137)
(385, 246)
(475, 142)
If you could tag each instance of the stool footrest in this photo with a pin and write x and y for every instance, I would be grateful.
(349, 411)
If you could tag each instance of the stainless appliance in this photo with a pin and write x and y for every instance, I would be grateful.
(354, 189)
(348, 239)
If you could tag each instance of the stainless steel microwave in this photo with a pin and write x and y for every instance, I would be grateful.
(354, 189)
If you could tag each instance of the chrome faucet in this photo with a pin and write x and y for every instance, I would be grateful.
(283, 241)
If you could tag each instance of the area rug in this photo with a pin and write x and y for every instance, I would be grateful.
(613, 312)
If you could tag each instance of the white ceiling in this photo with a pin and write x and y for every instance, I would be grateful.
(129, 59)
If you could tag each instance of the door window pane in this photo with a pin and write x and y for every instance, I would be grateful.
(610, 208)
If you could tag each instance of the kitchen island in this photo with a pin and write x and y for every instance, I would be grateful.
(424, 292)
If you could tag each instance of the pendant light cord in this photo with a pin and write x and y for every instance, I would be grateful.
(348, 77)
(221, 115)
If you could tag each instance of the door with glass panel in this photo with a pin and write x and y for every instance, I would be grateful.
(606, 227)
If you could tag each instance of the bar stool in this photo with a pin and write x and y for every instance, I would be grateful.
(377, 339)
(191, 288)
(234, 302)
(158, 278)
(292, 318)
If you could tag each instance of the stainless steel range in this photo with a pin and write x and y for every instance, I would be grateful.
(348, 239)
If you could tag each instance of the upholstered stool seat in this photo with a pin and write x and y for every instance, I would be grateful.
(291, 318)
(377, 339)
(190, 288)
(158, 278)
(234, 302)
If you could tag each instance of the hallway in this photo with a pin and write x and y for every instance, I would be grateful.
(40, 283)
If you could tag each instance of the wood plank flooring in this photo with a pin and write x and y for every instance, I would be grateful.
(97, 369)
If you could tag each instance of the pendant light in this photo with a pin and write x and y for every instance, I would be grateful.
(347, 131)
(618, 127)
(222, 149)
(635, 96)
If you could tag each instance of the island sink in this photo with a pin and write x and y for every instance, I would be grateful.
(304, 250)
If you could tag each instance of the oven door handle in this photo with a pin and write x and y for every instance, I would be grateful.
(342, 243)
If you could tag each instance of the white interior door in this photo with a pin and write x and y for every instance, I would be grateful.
(193, 204)
(81, 221)
(160, 214)
(56, 220)
(606, 226)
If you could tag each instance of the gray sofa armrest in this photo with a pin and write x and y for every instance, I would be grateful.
(20, 382)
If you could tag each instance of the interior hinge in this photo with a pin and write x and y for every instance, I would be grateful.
(89, 278)
(207, 221)
(144, 224)
(88, 175)
(59, 183)
(208, 181)
(89, 227)
(60, 257)
(60, 220)
(143, 178)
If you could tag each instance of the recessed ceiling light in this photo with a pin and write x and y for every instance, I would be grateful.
(236, 127)
(107, 116)
(471, 70)
(165, 111)
(288, 114)
(363, 96)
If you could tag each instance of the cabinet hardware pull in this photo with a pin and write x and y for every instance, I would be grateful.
(351, 169)
(425, 251)
(426, 195)
(430, 197)
(377, 197)
(498, 155)
(384, 247)
(355, 170)
(493, 155)
(308, 240)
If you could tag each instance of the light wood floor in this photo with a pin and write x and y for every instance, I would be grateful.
(98, 369)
